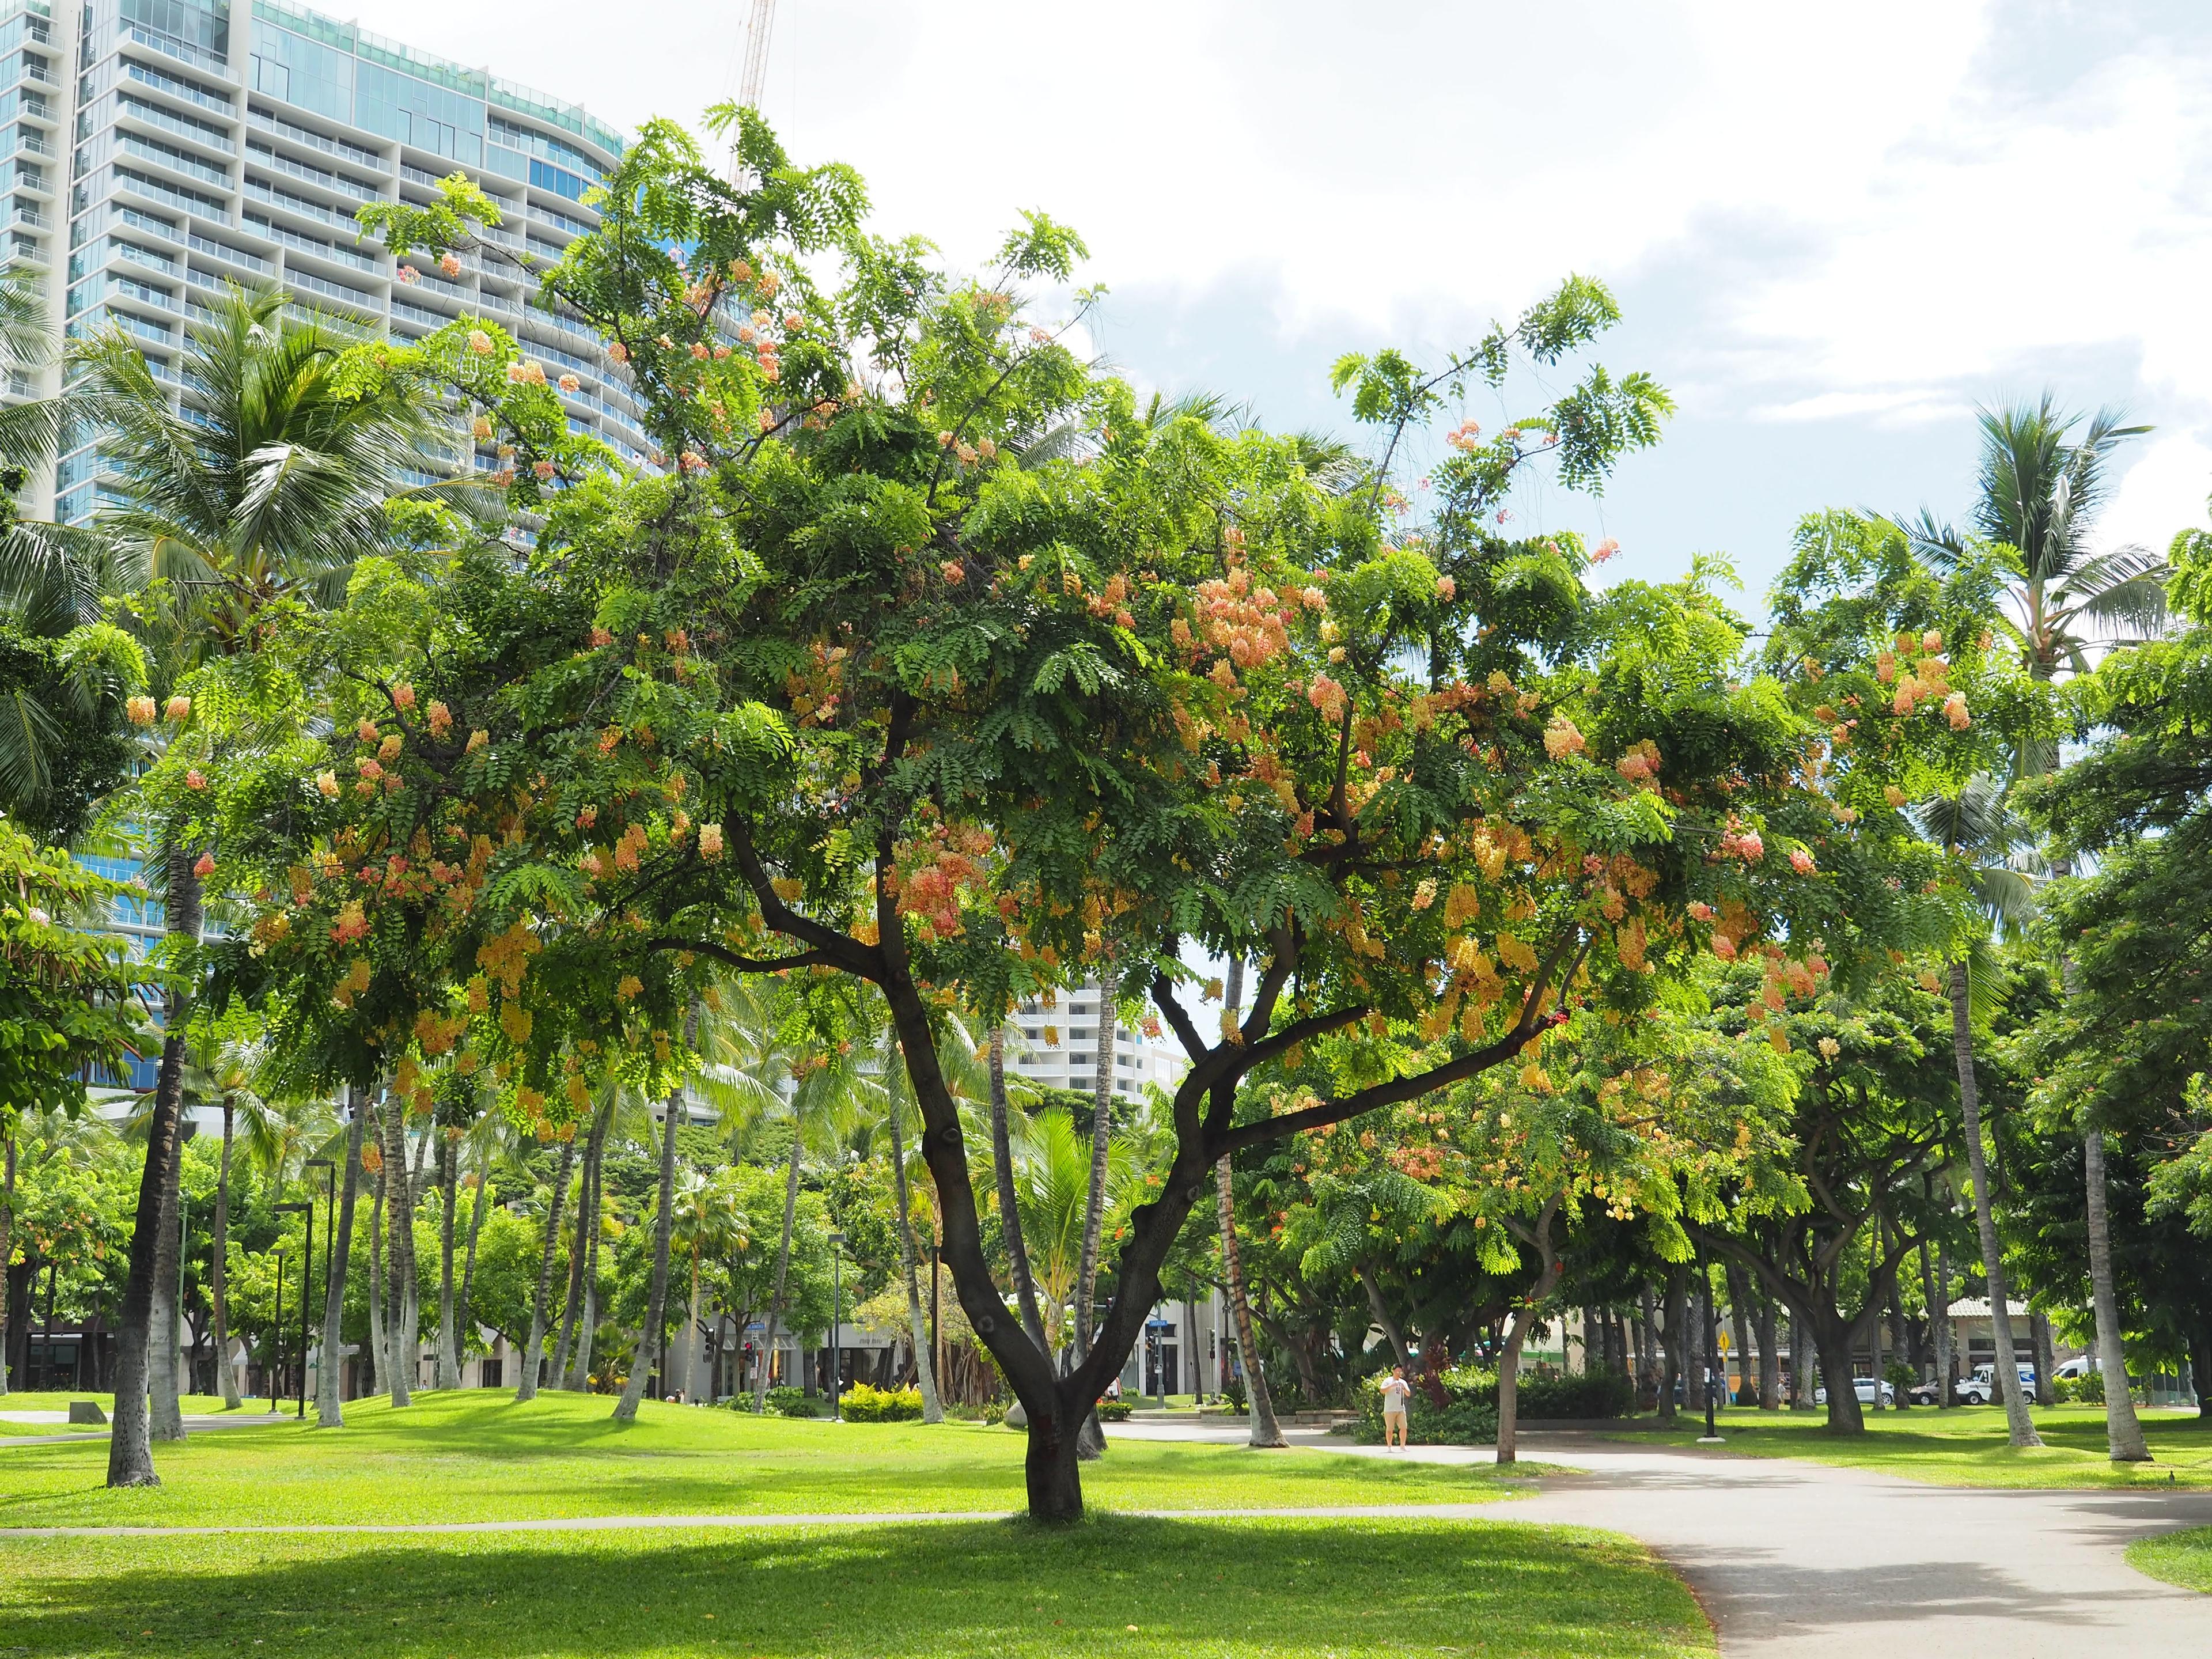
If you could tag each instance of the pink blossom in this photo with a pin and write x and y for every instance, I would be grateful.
(1802, 861)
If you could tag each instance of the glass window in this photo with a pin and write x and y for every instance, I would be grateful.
(304, 72)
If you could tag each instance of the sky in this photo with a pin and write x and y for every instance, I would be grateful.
(1834, 232)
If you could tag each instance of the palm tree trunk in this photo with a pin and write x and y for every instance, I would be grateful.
(165, 1381)
(1939, 1319)
(571, 1304)
(218, 1269)
(1010, 1213)
(533, 1353)
(1259, 1406)
(400, 1254)
(1090, 1441)
(576, 1372)
(2019, 1426)
(329, 1412)
(579, 1377)
(782, 1269)
(378, 1369)
(2123, 1435)
(129, 1446)
(449, 1179)
(648, 1339)
(1094, 1209)
(7, 1249)
(925, 1365)
(476, 1231)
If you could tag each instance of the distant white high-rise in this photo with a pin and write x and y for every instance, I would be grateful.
(1058, 1047)
(188, 144)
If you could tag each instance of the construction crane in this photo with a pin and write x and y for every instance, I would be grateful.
(755, 74)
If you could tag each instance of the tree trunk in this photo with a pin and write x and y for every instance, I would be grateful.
(2200, 1369)
(1739, 1294)
(924, 1360)
(7, 1249)
(1260, 1407)
(782, 1268)
(533, 1356)
(1382, 1315)
(1052, 1469)
(2019, 1426)
(595, 1160)
(218, 1272)
(1939, 1321)
(163, 1362)
(571, 1304)
(399, 1254)
(329, 1412)
(449, 1193)
(1874, 1309)
(380, 1369)
(476, 1231)
(1835, 1339)
(1093, 1441)
(1508, 1362)
(1010, 1213)
(1769, 1362)
(1677, 1318)
(129, 1447)
(648, 1339)
(2123, 1435)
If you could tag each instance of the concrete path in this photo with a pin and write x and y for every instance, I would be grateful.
(1800, 1560)
(192, 1425)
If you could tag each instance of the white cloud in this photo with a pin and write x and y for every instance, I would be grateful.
(1853, 223)
(2164, 491)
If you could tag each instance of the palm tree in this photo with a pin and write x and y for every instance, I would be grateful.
(762, 1063)
(1010, 1209)
(2040, 491)
(268, 491)
(708, 1220)
(1991, 849)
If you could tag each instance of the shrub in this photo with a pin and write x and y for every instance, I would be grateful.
(1469, 1415)
(863, 1404)
(790, 1402)
(2087, 1389)
(1115, 1411)
(1234, 1394)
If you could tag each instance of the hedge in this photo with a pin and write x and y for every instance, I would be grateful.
(1469, 1417)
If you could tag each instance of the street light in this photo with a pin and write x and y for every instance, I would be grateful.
(306, 1207)
(836, 1314)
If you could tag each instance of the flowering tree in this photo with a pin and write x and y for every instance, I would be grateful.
(932, 662)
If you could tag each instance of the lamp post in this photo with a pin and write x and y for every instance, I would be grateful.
(306, 1207)
(836, 1315)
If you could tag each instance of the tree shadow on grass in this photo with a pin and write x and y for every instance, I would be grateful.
(969, 1589)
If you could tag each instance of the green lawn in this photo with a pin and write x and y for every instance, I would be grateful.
(2178, 1557)
(476, 1455)
(1966, 1446)
(1123, 1586)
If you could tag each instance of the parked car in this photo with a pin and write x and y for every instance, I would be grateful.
(1862, 1387)
(1927, 1393)
(1981, 1388)
(2081, 1364)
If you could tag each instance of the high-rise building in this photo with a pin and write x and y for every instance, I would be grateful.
(190, 144)
(1057, 1046)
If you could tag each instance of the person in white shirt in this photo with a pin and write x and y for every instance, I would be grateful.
(1395, 1392)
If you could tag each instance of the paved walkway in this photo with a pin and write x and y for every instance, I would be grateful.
(1793, 1560)
(192, 1424)
(1800, 1560)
